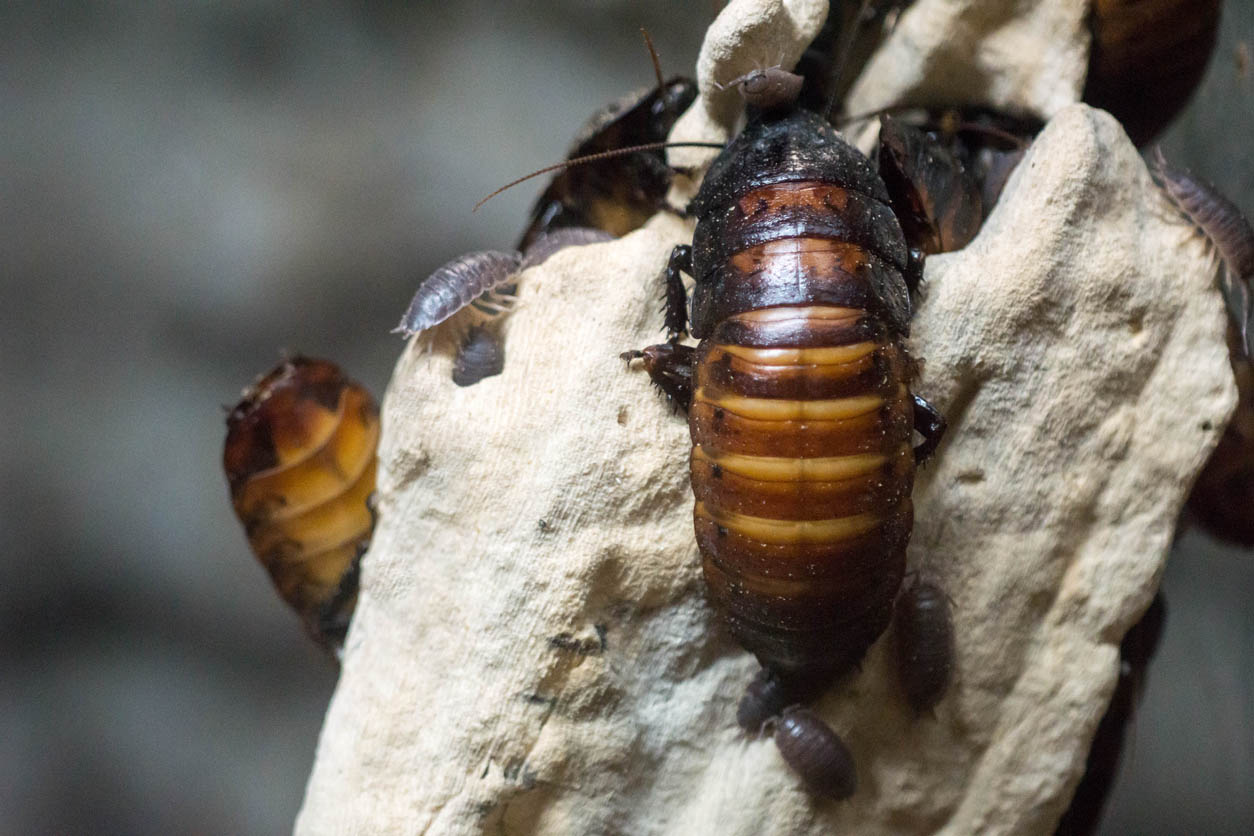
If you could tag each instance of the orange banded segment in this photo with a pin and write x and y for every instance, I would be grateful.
(791, 531)
(788, 409)
(789, 469)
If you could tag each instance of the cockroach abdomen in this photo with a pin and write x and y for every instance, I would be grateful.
(816, 753)
(924, 644)
(300, 462)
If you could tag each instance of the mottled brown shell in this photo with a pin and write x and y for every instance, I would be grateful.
(300, 462)
(1146, 58)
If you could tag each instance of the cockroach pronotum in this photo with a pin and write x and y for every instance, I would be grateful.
(798, 400)
(1223, 497)
(300, 461)
(925, 643)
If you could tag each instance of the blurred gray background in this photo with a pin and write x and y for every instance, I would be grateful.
(188, 187)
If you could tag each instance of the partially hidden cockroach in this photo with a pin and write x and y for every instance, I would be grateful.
(799, 403)
(1146, 57)
(925, 643)
(584, 204)
(300, 463)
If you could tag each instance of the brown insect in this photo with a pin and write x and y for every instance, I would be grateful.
(1146, 57)
(300, 463)
(799, 404)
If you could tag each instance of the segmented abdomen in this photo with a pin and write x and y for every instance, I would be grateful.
(300, 460)
(802, 464)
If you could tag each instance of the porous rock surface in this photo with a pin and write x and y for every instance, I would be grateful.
(533, 651)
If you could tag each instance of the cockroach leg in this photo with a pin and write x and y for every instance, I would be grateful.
(670, 365)
(676, 296)
(930, 424)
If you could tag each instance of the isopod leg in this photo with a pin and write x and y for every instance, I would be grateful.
(676, 296)
(931, 425)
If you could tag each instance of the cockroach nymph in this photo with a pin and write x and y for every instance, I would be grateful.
(925, 643)
(300, 462)
(816, 753)
(798, 400)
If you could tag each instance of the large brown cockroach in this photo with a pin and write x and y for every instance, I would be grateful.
(596, 201)
(1146, 57)
(300, 462)
(1223, 497)
(798, 398)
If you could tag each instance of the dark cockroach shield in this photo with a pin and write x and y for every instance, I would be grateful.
(799, 404)
(300, 462)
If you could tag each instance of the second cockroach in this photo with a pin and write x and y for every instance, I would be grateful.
(798, 398)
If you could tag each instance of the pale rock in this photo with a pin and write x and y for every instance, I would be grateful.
(747, 35)
(533, 651)
(1021, 56)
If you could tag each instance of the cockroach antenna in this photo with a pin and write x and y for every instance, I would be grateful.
(657, 65)
(592, 158)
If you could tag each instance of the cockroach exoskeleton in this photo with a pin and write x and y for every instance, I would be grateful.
(925, 643)
(799, 404)
(300, 462)
(616, 194)
(1146, 57)
(816, 753)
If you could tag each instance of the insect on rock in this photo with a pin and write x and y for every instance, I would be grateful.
(798, 396)
(300, 462)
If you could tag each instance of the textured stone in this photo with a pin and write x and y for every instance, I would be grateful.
(533, 651)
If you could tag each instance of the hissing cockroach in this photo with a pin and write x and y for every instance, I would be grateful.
(799, 404)
(1146, 57)
(816, 753)
(925, 643)
(300, 462)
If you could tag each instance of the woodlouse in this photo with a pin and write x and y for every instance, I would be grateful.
(300, 462)
(925, 643)
(1225, 228)
(816, 753)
